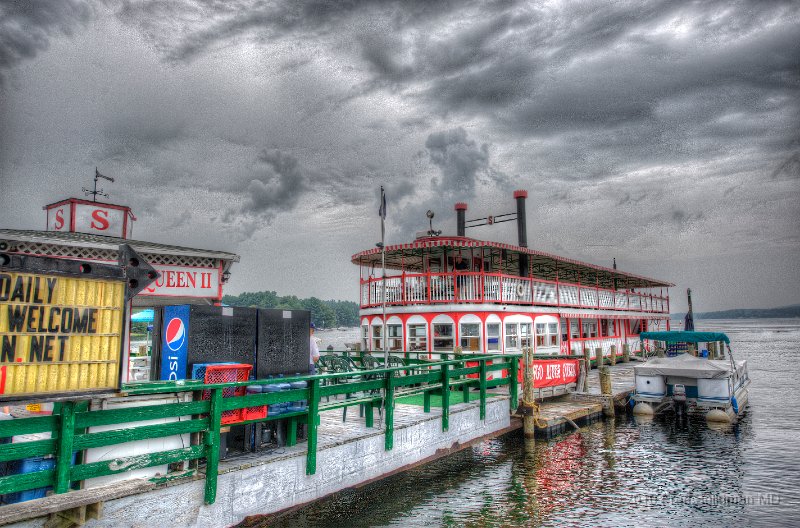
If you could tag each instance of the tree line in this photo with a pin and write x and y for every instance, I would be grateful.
(752, 313)
(324, 314)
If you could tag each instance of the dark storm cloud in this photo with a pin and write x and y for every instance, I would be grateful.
(26, 27)
(274, 184)
(789, 169)
(204, 25)
(650, 124)
(277, 187)
(462, 166)
(459, 159)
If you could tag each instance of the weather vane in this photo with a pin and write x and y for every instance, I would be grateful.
(95, 192)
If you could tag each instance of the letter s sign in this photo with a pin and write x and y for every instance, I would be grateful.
(59, 224)
(99, 220)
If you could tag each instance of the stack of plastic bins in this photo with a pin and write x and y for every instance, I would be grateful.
(279, 408)
(299, 405)
(199, 369)
(228, 373)
(257, 412)
(275, 409)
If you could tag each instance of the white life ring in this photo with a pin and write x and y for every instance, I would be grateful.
(520, 290)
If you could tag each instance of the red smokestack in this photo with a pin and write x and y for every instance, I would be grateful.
(461, 222)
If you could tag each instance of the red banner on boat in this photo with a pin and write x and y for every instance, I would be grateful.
(552, 372)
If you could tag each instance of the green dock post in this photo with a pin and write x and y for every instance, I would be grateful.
(369, 415)
(313, 422)
(426, 401)
(66, 434)
(483, 389)
(513, 384)
(389, 405)
(291, 432)
(445, 397)
(212, 446)
(465, 386)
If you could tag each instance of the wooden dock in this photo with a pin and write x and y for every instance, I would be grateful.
(582, 408)
(350, 454)
(334, 430)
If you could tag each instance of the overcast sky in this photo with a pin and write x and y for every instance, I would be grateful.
(665, 134)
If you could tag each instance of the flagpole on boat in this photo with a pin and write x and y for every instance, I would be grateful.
(382, 213)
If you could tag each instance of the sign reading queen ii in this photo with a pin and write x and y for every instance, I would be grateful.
(61, 328)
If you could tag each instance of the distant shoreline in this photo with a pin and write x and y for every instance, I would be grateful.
(788, 312)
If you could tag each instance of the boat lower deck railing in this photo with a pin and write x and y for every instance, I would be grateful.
(66, 433)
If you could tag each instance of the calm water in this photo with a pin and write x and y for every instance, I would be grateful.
(614, 474)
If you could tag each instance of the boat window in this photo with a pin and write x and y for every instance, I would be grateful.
(610, 328)
(377, 337)
(512, 336)
(518, 335)
(365, 337)
(589, 328)
(417, 337)
(541, 334)
(552, 332)
(574, 329)
(525, 334)
(470, 337)
(546, 334)
(493, 336)
(443, 337)
(564, 329)
(636, 326)
(395, 332)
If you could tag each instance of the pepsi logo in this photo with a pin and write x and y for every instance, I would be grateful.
(175, 334)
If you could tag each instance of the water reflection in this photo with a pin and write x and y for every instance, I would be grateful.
(628, 472)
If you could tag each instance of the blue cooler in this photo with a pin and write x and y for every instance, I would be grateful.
(27, 465)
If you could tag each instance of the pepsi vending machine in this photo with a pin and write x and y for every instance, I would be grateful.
(174, 342)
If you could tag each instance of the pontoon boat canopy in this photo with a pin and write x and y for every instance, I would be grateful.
(685, 337)
(684, 366)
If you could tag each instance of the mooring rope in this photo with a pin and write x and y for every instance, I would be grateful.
(535, 409)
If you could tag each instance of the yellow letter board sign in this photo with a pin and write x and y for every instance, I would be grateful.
(60, 332)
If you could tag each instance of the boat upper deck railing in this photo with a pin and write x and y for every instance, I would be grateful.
(497, 288)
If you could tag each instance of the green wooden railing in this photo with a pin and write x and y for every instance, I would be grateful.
(70, 422)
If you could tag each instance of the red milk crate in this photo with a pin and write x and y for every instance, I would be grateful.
(228, 373)
(254, 413)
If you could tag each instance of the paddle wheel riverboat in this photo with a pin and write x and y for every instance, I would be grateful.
(444, 294)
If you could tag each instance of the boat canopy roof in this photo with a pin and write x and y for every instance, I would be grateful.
(411, 257)
(685, 337)
(685, 366)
